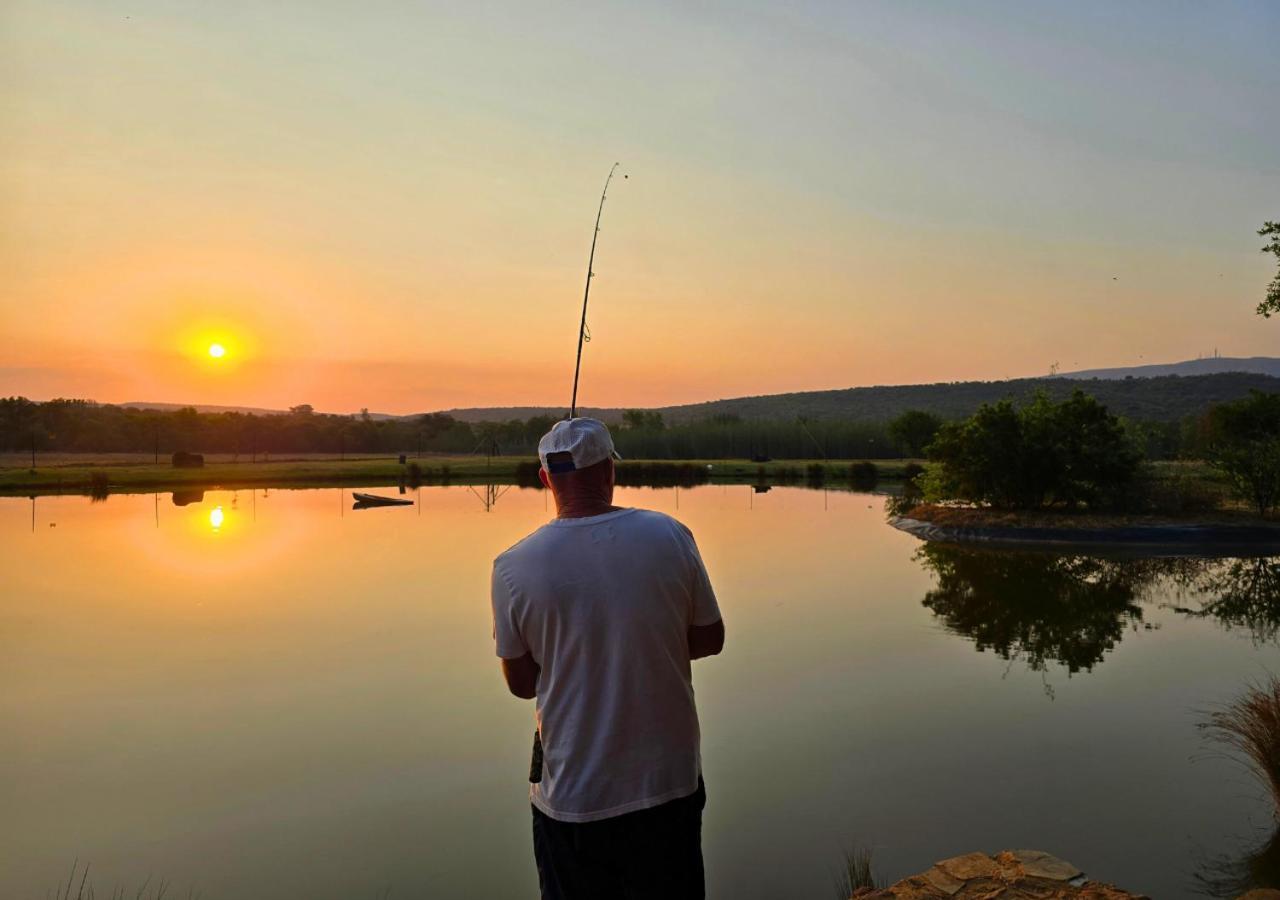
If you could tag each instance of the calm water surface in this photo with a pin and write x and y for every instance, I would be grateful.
(267, 694)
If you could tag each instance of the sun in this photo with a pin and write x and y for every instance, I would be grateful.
(217, 351)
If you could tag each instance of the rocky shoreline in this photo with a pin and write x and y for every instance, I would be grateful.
(1009, 875)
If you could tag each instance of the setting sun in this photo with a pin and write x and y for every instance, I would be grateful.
(217, 351)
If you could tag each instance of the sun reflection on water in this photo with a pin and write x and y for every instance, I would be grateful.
(215, 518)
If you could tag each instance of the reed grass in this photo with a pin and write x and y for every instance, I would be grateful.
(85, 889)
(856, 873)
(1250, 726)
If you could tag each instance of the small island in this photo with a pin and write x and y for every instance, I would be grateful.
(1071, 473)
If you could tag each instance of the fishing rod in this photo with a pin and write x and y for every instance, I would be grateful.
(583, 334)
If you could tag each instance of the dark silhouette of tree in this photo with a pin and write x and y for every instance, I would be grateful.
(1271, 303)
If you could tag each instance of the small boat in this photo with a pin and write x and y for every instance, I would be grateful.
(363, 500)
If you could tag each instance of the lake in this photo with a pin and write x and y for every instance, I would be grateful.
(266, 694)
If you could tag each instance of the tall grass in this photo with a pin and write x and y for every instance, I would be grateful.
(856, 873)
(1250, 726)
(79, 887)
(84, 888)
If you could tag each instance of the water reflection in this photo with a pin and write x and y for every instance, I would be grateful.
(489, 494)
(232, 679)
(1233, 876)
(1238, 593)
(1038, 608)
(1072, 609)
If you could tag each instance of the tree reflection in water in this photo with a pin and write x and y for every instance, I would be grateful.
(1238, 593)
(1072, 609)
(1033, 606)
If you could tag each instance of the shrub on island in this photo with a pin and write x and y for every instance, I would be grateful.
(1041, 454)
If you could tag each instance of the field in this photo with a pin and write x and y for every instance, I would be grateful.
(87, 473)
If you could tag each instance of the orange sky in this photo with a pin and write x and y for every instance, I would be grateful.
(389, 206)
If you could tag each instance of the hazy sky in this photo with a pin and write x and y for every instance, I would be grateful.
(390, 204)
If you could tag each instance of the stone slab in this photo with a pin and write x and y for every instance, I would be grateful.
(944, 882)
(1039, 864)
(1011, 875)
(969, 866)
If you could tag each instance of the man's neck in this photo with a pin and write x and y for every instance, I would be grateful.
(581, 509)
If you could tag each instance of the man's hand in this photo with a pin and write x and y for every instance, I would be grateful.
(522, 676)
(706, 640)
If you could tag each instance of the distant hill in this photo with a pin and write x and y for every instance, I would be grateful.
(213, 408)
(507, 413)
(1165, 398)
(203, 407)
(1213, 365)
(1158, 392)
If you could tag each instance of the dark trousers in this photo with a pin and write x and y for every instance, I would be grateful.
(651, 853)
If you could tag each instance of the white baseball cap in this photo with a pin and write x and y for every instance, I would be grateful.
(575, 444)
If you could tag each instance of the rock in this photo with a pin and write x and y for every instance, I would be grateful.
(943, 881)
(1039, 864)
(969, 866)
(1011, 875)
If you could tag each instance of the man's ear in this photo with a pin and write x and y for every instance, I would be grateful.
(542, 476)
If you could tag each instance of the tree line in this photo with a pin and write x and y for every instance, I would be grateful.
(1077, 454)
(83, 426)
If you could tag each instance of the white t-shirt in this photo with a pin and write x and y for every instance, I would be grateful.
(604, 604)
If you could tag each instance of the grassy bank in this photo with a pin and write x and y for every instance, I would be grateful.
(72, 475)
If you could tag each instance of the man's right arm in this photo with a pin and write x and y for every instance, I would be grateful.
(521, 675)
(706, 640)
(706, 629)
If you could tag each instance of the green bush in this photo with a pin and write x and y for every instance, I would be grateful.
(99, 485)
(1044, 453)
(1244, 444)
(864, 475)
